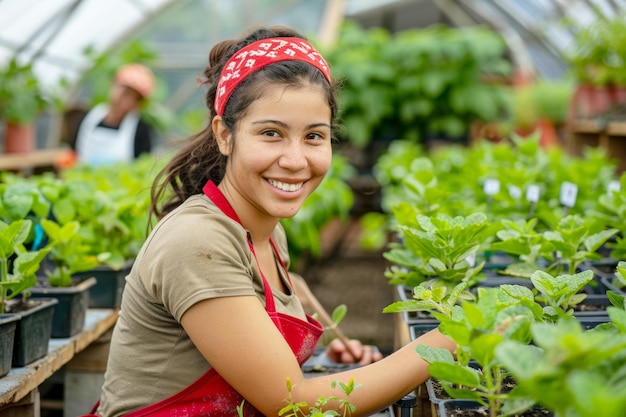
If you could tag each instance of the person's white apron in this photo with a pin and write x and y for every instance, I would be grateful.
(100, 145)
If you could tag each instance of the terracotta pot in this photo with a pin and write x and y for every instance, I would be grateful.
(19, 138)
(590, 101)
(618, 94)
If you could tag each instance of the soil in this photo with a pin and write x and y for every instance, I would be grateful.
(18, 306)
(484, 411)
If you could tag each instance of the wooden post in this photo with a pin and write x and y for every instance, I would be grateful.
(331, 22)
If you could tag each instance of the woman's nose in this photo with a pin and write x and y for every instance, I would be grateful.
(294, 156)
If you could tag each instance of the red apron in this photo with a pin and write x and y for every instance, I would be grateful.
(210, 395)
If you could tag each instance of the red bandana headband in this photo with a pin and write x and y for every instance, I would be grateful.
(260, 54)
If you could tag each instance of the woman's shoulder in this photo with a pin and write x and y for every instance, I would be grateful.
(197, 221)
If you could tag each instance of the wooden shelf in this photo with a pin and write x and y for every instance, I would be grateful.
(20, 382)
(30, 160)
(610, 136)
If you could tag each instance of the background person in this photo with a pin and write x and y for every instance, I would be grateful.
(114, 131)
(210, 319)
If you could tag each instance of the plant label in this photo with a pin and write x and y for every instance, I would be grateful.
(515, 192)
(532, 193)
(569, 191)
(613, 186)
(491, 186)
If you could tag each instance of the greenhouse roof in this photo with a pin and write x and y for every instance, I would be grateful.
(53, 34)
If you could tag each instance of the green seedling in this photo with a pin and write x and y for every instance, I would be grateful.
(18, 266)
(570, 371)
(478, 328)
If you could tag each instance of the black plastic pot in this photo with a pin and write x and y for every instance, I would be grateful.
(70, 313)
(33, 331)
(446, 407)
(8, 323)
(418, 329)
(596, 304)
(107, 292)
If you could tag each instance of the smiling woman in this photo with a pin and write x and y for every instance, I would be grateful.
(210, 324)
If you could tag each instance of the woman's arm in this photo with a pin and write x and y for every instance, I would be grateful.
(239, 340)
(339, 349)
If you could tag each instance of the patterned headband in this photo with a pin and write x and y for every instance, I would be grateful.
(260, 54)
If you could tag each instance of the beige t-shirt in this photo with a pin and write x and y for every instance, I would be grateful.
(194, 253)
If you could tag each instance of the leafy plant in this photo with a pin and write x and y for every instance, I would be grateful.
(572, 242)
(478, 327)
(519, 239)
(543, 99)
(619, 278)
(18, 266)
(22, 97)
(402, 86)
(296, 409)
(437, 300)
(558, 295)
(570, 371)
(68, 253)
(436, 248)
(575, 241)
(598, 55)
(302, 409)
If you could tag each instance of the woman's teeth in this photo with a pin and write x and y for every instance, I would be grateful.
(284, 186)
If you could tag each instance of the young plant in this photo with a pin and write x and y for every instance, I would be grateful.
(68, 253)
(302, 409)
(575, 240)
(560, 294)
(619, 278)
(18, 266)
(570, 371)
(478, 328)
(436, 300)
(518, 238)
(437, 248)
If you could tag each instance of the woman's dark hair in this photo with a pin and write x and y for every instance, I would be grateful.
(200, 160)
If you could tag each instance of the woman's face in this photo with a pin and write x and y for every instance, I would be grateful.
(279, 152)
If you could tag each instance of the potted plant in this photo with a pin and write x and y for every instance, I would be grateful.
(31, 321)
(68, 255)
(437, 248)
(478, 327)
(22, 98)
(598, 60)
(570, 370)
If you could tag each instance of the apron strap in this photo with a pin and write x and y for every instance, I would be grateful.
(215, 195)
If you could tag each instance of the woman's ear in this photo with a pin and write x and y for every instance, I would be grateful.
(222, 135)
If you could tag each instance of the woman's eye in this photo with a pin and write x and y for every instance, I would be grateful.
(314, 136)
(271, 133)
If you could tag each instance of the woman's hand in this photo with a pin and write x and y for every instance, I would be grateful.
(337, 352)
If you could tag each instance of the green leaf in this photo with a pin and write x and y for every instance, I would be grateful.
(432, 354)
(454, 373)
(339, 313)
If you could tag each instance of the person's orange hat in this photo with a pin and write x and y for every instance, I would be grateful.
(136, 76)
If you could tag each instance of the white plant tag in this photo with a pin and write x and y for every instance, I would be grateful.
(515, 192)
(613, 186)
(569, 191)
(491, 186)
(471, 260)
(532, 193)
